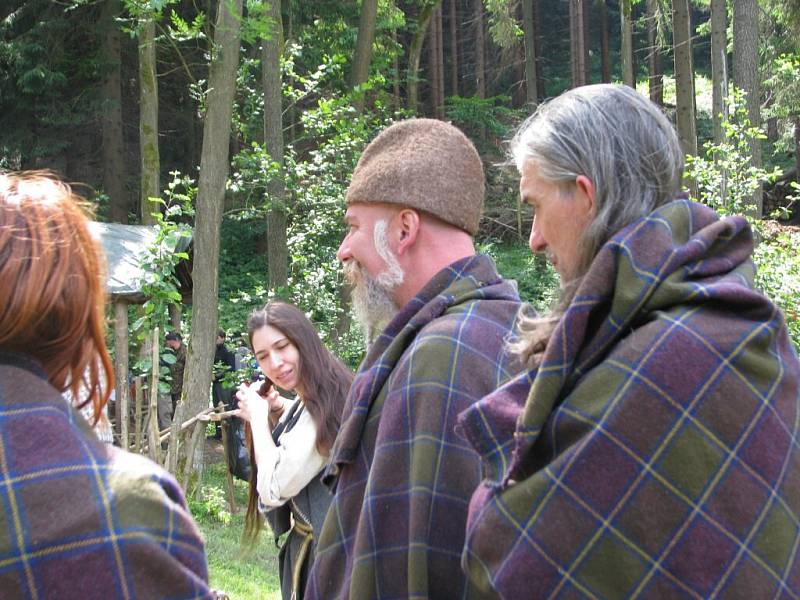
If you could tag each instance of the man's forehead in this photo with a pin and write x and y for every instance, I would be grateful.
(368, 210)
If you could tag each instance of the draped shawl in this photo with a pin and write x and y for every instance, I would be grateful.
(403, 477)
(654, 452)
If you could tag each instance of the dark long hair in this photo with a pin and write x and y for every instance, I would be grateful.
(323, 383)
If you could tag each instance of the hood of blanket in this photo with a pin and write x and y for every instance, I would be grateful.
(680, 254)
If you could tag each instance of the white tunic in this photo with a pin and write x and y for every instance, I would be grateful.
(283, 471)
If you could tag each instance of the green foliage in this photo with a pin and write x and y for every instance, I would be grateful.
(477, 115)
(725, 175)
(241, 572)
(503, 27)
(158, 283)
(212, 505)
(318, 164)
(537, 281)
(778, 274)
(49, 71)
(726, 180)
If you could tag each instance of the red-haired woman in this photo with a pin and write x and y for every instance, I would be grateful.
(82, 519)
(290, 440)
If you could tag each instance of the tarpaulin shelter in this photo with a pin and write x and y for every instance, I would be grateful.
(124, 247)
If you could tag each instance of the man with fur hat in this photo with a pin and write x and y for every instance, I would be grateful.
(437, 316)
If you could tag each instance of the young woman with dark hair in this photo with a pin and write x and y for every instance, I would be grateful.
(290, 440)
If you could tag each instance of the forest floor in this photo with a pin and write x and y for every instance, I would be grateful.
(244, 573)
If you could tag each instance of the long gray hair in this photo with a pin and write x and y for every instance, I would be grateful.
(629, 150)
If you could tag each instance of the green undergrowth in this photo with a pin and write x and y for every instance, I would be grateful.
(241, 572)
(536, 279)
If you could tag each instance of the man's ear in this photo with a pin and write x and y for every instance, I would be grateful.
(585, 197)
(408, 224)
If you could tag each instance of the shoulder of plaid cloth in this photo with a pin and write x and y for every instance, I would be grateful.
(655, 451)
(396, 525)
(82, 519)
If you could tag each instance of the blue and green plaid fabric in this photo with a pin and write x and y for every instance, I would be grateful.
(654, 453)
(82, 519)
(403, 476)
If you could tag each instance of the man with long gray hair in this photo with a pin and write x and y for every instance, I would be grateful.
(437, 316)
(651, 449)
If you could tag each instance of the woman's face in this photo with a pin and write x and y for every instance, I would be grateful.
(277, 357)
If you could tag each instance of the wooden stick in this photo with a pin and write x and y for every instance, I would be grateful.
(199, 417)
(137, 415)
(197, 434)
(174, 440)
(219, 416)
(224, 425)
(154, 447)
(121, 370)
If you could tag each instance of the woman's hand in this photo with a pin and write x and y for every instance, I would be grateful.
(252, 405)
(255, 405)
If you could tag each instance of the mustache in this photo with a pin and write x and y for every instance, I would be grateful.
(353, 271)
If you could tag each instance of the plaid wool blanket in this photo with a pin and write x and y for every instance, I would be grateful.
(654, 453)
(81, 518)
(403, 476)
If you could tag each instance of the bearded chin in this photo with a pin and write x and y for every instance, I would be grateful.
(374, 305)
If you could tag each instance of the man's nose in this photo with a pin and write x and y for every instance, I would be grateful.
(343, 253)
(536, 240)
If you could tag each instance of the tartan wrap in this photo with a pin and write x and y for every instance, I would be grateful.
(403, 477)
(654, 453)
(81, 518)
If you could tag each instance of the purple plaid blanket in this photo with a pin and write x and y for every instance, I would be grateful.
(82, 519)
(654, 453)
(404, 477)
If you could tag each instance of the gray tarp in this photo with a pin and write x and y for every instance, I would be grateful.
(124, 246)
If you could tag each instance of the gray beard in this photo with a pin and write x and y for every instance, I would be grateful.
(373, 305)
(373, 297)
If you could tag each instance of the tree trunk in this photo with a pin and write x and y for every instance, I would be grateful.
(654, 69)
(453, 47)
(439, 63)
(480, 55)
(111, 117)
(684, 76)
(541, 89)
(363, 56)
(577, 35)
(745, 75)
(150, 186)
(719, 69)
(277, 251)
(605, 60)
(796, 121)
(396, 76)
(415, 53)
(433, 67)
(529, 33)
(626, 42)
(121, 371)
(211, 191)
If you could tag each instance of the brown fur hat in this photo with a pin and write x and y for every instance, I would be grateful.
(424, 164)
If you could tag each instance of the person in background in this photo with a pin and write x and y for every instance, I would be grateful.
(224, 363)
(437, 315)
(290, 440)
(175, 343)
(651, 449)
(81, 518)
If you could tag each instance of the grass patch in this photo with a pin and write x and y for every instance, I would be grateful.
(243, 573)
